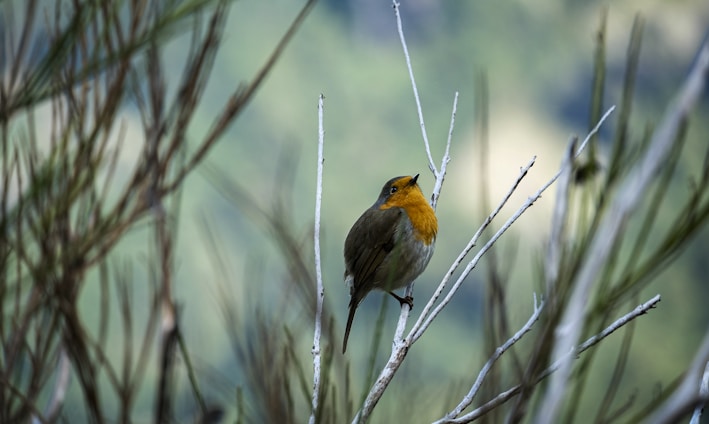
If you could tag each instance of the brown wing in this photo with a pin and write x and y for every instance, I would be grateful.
(369, 242)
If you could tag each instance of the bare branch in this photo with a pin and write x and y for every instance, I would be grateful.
(446, 157)
(513, 391)
(399, 26)
(318, 267)
(468, 399)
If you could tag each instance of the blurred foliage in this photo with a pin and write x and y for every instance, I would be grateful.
(63, 210)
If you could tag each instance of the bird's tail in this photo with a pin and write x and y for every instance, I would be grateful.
(350, 317)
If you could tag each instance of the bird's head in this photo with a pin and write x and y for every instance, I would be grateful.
(404, 192)
(400, 191)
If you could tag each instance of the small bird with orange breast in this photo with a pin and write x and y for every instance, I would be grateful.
(390, 244)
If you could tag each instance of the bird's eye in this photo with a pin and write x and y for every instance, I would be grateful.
(392, 190)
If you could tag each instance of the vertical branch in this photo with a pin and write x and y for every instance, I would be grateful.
(554, 249)
(446, 157)
(318, 267)
(399, 26)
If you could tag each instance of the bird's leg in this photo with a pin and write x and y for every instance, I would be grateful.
(408, 300)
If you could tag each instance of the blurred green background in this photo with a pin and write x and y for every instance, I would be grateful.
(538, 59)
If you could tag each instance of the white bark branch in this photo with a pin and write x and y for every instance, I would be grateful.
(468, 399)
(431, 165)
(318, 268)
(446, 157)
(513, 391)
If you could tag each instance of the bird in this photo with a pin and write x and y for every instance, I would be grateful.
(390, 244)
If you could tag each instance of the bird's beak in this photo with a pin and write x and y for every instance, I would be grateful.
(413, 180)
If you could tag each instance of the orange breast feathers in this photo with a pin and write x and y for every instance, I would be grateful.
(411, 199)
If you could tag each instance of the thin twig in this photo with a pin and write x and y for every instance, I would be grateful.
(400, 28)
(318, 267)
(446, 157)
(468, 399)
(509, 393)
